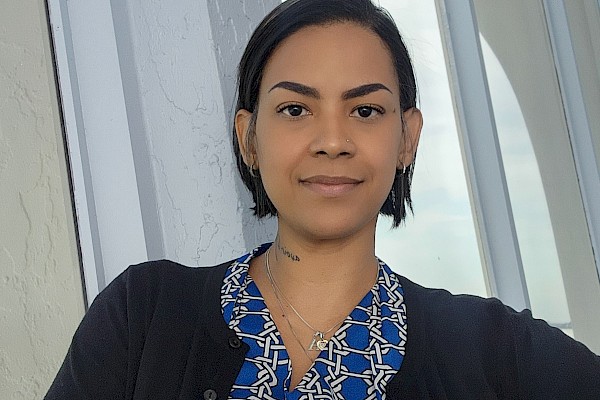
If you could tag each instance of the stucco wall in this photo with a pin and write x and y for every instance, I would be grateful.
(41, 300)
(178, 66)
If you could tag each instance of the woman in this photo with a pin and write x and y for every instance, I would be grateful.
(326, 131)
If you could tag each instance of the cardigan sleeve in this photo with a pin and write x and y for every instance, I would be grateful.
(466, 347)
(551, 365)
(95, 366)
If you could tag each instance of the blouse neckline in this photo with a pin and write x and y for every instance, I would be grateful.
(364, 353)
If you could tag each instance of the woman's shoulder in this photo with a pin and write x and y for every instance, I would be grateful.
(439, 317)
(165, 271)
(163, 281)
(436, 303)
(485, 326)
(482, 338)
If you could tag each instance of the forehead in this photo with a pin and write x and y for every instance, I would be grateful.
(339, 56)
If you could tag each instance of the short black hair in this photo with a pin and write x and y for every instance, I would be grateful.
(288, 18)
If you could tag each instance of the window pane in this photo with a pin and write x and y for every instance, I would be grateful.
(528, 200)
(533, 141)
(438, 246)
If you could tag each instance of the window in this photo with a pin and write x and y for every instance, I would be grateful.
(438, 246)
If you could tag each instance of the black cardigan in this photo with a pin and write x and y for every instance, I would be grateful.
(157, 332)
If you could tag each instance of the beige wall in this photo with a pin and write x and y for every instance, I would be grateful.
(41, 299)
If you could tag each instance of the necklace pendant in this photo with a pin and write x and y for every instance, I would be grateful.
(318, 342)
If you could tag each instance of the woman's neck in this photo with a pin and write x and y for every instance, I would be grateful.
(323, 279)
(303, 257)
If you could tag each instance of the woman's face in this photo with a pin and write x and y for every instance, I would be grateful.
(329, 134)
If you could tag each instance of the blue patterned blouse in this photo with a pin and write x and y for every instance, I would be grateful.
(360, 359)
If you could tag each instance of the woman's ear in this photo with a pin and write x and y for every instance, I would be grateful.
(243, 127)
(412, 124)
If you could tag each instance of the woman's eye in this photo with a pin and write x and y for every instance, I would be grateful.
(293, 110)
(367, 111)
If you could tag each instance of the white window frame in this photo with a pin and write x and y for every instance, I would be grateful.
(105, 192)
(491, 203)
(481, 150)
(578, 124)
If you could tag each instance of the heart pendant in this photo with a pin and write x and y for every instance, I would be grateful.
(318, 342)
(322, 344)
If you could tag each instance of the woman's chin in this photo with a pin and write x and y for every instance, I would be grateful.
(332, 227)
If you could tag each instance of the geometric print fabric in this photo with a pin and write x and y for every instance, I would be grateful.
(360, 359)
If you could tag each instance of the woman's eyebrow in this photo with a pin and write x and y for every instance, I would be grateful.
(298, 88)
(363, 90)
(305, 90)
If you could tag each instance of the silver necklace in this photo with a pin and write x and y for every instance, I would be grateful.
(318, 342)
(283, 313)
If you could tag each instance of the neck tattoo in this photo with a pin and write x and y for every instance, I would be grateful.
(287, 252)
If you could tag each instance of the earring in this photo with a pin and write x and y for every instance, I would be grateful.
(252, 170)
(403, 169)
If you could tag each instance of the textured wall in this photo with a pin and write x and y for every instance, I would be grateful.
(232, 23)
(177, 63)
(40, 287)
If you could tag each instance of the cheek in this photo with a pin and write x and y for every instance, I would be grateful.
(387, 162)
(278, 148)
(387, 176)
(270, 152)
(385, 151)
(274, 159)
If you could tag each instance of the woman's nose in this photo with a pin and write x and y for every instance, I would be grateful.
(332, 138)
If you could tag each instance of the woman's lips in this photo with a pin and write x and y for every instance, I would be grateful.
(330, 186)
